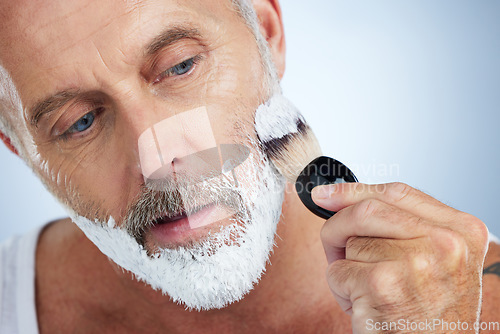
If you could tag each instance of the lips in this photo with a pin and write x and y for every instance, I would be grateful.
(184, 214)
(166, 219)
(183, 227)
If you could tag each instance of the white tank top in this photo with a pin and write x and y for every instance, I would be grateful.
(17, 284)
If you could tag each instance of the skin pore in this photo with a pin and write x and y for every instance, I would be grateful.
(93, 55)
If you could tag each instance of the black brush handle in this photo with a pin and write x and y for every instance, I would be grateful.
(321, 171)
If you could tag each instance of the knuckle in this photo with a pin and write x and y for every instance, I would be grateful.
(380, 278)
(365, 209)
(420, 263)
(330, 273)
(452, 246)
(360, 314)
(477, 229)
(332, 277)
(384, 283)
(324, 233)
(398, 191)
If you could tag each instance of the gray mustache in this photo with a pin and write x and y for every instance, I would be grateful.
(179, 196)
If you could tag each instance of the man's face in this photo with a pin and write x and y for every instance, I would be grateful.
(94, 76)
(112, 89)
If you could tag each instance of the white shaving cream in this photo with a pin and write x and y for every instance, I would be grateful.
(276, 118)
(217, 272)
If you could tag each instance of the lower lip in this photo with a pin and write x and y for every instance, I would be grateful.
(187, 228)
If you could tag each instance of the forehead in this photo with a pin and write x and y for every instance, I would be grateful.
(47, 43)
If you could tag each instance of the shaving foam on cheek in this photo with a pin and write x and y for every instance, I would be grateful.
(277, 118)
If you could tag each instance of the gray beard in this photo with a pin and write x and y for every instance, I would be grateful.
(216, 272)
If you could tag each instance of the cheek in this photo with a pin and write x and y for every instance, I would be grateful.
(95, 184)
(249, 173)
(237, 73)
(233, 95)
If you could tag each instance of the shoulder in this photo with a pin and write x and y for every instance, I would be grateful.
(491, 287)
(63, 276)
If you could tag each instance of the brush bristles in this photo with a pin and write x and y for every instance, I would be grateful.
(292, 152)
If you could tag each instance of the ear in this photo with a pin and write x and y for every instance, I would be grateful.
(271, 27)
(8, 143)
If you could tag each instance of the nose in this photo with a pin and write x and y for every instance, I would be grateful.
(181, 143)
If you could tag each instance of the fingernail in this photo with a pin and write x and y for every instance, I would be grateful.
(323, 192)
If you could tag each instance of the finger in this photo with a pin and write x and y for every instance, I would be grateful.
(345, 304)
(372, 250)
(365, 283)
(338, 196)
(369, 218)
(347, 281)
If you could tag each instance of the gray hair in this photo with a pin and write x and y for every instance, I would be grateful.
(246, 10)
(10, 100)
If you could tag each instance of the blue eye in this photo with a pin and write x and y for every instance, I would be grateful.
(183, 67)
(83, 123)
(179, 69)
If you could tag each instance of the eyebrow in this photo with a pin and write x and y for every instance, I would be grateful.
(170, 36)
(166, 38)
(51, 104)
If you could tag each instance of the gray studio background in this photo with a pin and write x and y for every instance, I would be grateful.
(398, 90)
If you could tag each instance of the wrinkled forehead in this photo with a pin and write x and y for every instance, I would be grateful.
(50, 43)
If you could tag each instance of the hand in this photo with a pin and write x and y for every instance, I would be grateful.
(398, 255)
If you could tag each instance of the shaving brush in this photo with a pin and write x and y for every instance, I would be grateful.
(292, 147)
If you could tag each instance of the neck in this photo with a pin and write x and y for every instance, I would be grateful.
(292, 292)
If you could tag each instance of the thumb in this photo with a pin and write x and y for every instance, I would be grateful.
(328, 197)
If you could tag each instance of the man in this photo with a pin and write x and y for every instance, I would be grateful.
(88, 90)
